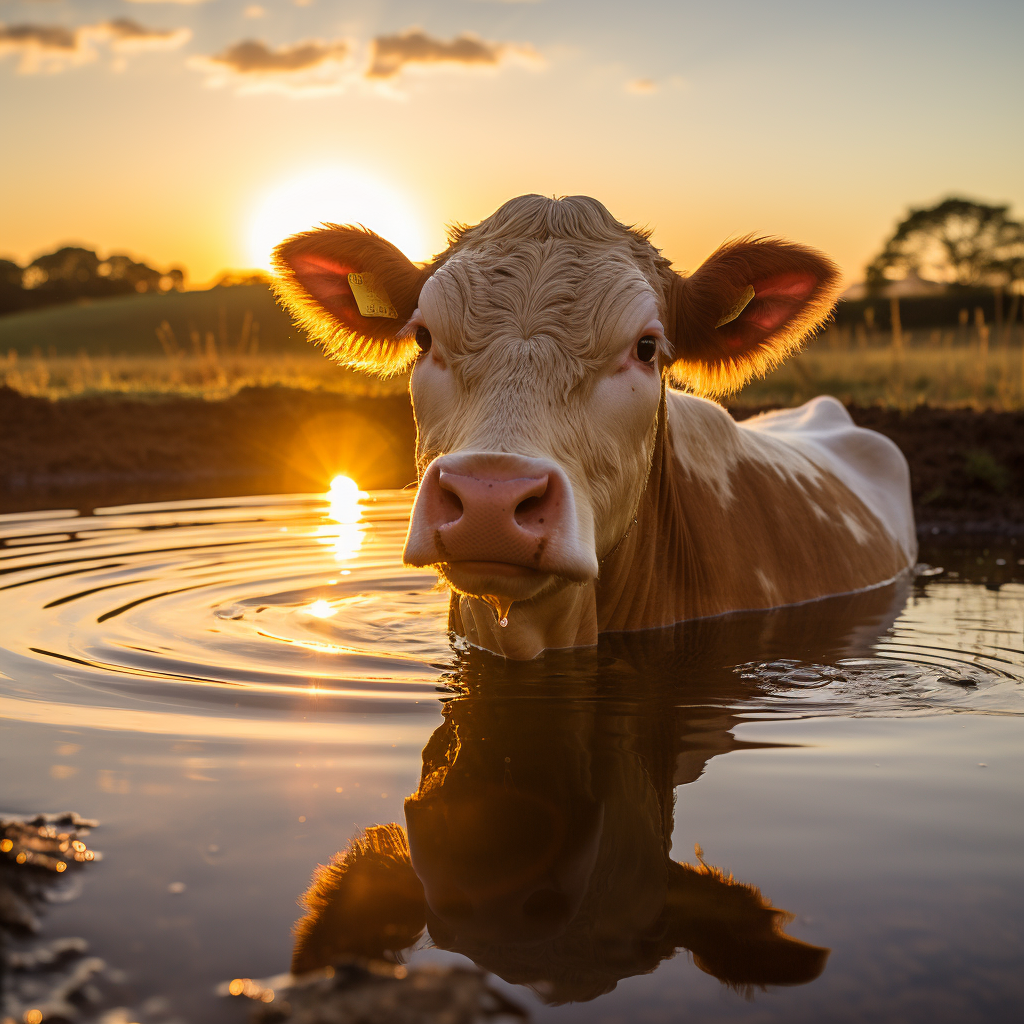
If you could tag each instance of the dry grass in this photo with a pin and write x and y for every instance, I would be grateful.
(207, 376)
(969, 366)
(965, 367)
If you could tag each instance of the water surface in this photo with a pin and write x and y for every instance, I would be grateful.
(237, 689)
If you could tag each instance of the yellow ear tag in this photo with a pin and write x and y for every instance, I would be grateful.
(370, 297)
(734, 310)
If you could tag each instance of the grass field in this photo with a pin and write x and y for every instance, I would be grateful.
(216, 342)
(240, 320)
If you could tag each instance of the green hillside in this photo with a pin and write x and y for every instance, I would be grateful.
(127, 325)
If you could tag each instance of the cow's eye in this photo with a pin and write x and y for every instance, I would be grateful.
(423, 339)
(646, 348)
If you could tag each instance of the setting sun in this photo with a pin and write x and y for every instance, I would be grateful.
(336, 196)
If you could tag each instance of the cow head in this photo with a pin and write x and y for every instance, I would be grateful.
(537, 844)
(539, 342)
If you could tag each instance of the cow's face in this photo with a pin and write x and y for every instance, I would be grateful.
(538, 343)
(536, 400)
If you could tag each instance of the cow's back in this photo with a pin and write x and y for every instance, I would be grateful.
(868, 463)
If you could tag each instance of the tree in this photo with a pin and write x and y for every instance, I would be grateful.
(74, 273)
(957, 242)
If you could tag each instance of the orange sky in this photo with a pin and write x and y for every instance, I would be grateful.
(161, 128)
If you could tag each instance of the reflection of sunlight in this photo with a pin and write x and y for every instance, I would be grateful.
(321, 609)
(344, 497)
(344, 533)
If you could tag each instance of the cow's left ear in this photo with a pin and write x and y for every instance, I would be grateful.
(354, 292)
(745, 309)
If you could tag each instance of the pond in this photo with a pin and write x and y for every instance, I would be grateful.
(810, 814)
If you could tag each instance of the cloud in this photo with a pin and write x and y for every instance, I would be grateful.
(309, 67)
(390, 54)
(127, 35)
(55, 48)
(642, 86)
(44, 47)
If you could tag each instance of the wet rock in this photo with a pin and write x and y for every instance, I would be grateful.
(54, 981)
(376, 992)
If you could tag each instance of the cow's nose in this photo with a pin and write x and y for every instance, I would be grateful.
(519, 503)
(484, 507)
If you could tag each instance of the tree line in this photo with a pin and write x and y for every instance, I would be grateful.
(958, 243)
(72, 273)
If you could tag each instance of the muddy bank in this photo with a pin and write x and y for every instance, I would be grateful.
(967, 467)
(87, 452)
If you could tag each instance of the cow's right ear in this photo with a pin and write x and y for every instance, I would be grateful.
(744, 310)
(354, 292)
(367, 902)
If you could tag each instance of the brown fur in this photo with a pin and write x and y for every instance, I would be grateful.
(692, 553)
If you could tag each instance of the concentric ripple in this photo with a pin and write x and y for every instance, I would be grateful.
(300, 604)
(249, 601)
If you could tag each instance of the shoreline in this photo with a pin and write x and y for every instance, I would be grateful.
(967, 467)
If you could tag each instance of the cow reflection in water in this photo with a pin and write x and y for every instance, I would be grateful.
(539, 838)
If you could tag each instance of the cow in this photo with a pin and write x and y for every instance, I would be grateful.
(575, 475)
(539, 840)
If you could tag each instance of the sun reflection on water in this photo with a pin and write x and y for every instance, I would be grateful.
(344, 530)
(321, 609)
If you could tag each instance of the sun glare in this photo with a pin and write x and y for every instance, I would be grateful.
(337, 196)
(321, 609)
(343, 530)
(344, 497)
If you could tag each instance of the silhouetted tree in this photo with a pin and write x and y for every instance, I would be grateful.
(12, 295)
(959, 242)
(73, 273)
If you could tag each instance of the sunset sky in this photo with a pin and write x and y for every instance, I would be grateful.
(192, 132)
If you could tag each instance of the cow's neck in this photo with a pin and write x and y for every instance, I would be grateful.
(731, 522)
(727, 522)
(643, 580)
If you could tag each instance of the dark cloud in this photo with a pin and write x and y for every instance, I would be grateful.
(255, 58)
(39, 37)
(390, 54)
(127, 34)
(309, 68)
(54, 47)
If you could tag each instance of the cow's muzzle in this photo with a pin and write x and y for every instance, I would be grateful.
(497, 523)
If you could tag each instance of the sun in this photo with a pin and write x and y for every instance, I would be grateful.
(338, 196)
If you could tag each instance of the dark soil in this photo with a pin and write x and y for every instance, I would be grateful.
(967, 467)
(86, 452)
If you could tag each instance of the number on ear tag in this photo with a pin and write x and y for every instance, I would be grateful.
(370, 297)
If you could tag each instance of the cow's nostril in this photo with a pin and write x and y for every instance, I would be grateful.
(545, 905)
(527, 506)
(452, 504)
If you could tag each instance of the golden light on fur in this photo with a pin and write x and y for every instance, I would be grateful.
(747, 308)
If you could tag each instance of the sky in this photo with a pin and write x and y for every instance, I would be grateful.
(192, 132)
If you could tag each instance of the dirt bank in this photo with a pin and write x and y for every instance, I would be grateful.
(967, 467)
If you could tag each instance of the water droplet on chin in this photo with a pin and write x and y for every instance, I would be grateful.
(501, 606)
